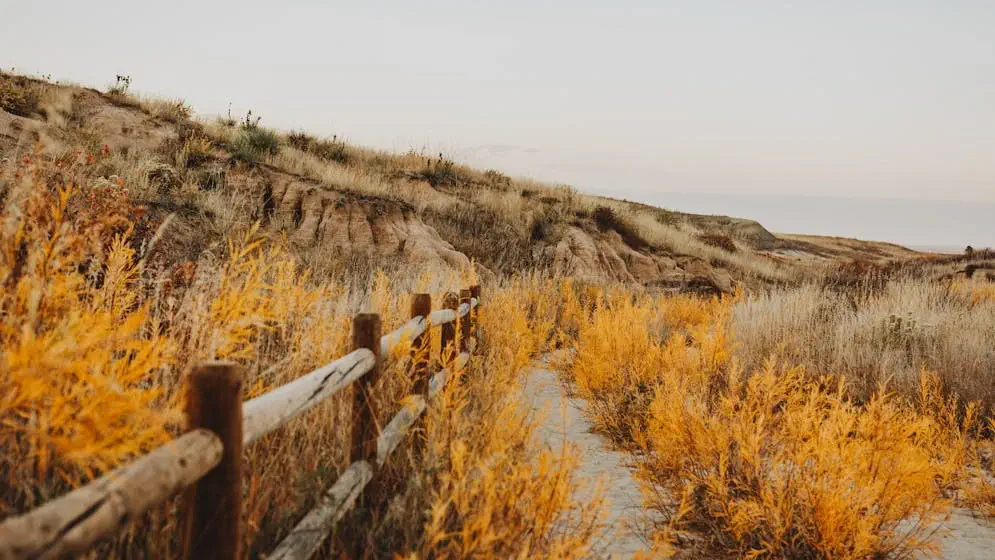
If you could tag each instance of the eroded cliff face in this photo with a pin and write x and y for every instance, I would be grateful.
(314, 216)
(606, 257)
(204, 198)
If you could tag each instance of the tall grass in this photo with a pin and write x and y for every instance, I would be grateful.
(95, 340)
(773, 459)
(877, 336)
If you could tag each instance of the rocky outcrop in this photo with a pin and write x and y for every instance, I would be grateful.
(608, 258)
(315, 216)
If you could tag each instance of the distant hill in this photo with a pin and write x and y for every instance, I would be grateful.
(906, 221)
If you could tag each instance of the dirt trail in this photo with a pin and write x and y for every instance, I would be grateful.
(564, 421)
(966, 538)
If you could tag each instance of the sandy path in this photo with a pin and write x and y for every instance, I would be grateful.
(967, 538)
(564, 421)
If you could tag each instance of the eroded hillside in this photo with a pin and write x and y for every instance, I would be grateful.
(340, 205)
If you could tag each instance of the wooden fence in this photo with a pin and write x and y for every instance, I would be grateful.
(206, 461)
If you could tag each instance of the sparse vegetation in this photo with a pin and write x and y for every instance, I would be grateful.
(541, 228)
(877, 334)
(440, 172)
(19, 96)
(329, 150)
(169, 110)
(118, 92)
(254, 142)
(497, 179)
(195, 151)
(120, 86)
(484, 234)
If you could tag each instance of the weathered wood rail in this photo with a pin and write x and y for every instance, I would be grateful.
(206, 461)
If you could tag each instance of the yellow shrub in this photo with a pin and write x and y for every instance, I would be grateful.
(77, 349)
(620, 355)
(775, 464)
(779, 466)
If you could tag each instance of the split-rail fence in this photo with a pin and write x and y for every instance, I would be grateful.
(206, 461)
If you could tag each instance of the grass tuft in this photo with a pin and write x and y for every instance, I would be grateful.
(333, 149)
(253, 144)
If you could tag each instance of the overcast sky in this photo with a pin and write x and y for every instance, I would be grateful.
(634, 99)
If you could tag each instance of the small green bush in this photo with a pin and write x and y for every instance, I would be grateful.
(254, 143)
(300, 140)
(497, 179)
(328, 150)
(440, 172)
(605, 218)
(331, 150)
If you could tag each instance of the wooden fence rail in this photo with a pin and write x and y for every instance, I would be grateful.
(207, 459)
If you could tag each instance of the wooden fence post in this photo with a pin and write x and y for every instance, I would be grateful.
(447, 332)
(365, 334)
(475, 293)
(421, 354)
(212, 507)
(465, 321)
(421, 306)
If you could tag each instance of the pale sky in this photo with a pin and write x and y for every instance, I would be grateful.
(633, 99)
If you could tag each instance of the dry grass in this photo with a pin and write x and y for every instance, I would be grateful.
(531, 217)
(95, 342)
(169, 110)
(19, 95)
(511, 205)
(685, 240)
(492, 494)
(877, 336)
(769, 460)
(776, 466)
(816, 421)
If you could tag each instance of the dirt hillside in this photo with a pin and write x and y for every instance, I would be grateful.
(342, 205)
